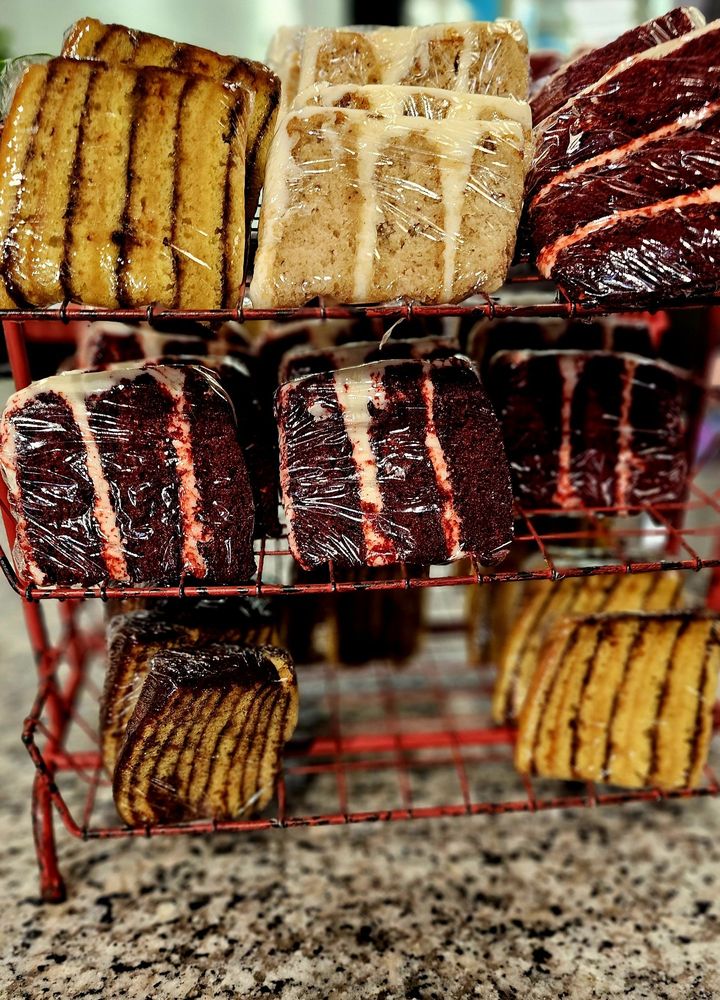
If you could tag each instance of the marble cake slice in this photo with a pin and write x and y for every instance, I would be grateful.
(123, 186)
(114, 43)
(135, 636)
(395, 461)
(547, 603)
(623, 699)
(128, 476)
(206, 734)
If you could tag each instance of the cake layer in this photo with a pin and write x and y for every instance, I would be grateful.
(625, 699)
(390, 462)
(547, 603)
(477, 57)
(206, 733)
(663, 252)
(114, 43)
(639, 95)
(393, 101)
(123, 187)
(583, 71)
(134, 638)
(130, 476)
(593, 428)
(368, 209)
(680, 158)
(299, 361)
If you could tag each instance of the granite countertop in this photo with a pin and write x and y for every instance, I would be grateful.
(613, 902)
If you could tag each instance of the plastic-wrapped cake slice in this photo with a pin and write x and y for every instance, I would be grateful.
(128, 476)
(367, 209)
(396, 461)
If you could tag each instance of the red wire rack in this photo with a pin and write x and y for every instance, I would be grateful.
(378, 744)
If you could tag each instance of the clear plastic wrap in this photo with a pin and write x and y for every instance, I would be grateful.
(623, 699)
(206, 733)
(130, 476)
(593, 428)
(110, 196)
(477, 57)
(390, 462)
(622, 198)
(367, 209)
(301, 360)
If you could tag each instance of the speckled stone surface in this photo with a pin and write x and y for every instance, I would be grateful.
(619, 902)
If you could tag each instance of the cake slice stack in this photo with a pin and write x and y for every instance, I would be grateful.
(622, 199)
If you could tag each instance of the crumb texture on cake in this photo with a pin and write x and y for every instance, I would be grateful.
(363, 208)
(623, 699)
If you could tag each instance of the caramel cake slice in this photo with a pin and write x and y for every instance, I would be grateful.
(546, 603)
(395, 461)
(123, 187)
(131, 476)
(420, 102)
(403, 207)
(114, 43)
(624, 699)
(302, 360)
(206, 734)
(476, 57)
(135, 636)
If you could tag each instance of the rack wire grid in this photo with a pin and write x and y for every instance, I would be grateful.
(375, 743)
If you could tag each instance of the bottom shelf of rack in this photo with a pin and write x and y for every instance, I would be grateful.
(377, 743)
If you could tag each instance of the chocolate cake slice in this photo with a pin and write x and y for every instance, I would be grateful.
(206, 733)
(593, 428)
(129, 476)
(104, 343)
(625, 699)
(123, 186)
(390, 462)
(114, 43)
(547, 603)
(134, 638)
(299, 361)
(583, 71)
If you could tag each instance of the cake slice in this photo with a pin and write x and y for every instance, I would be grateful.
(477, 57)
(206, 734)
(396, 461)
(394, 101)
(129, 476)
(547, 603)
(402, 207)
(114, 43)
(583, 71)
(301, 360)
(123, 186)
(134, 637)
(283, 56)
(624, 699)
(594, 428)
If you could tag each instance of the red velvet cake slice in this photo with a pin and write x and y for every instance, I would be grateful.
(597, 429)
(129, 476)
(567, 80)
(104, 343)
(299, 361)
(396, 461)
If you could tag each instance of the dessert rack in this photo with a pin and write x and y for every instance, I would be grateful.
(379, 743)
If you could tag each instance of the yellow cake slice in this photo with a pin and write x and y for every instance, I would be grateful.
(114, 43)
(206, 734)
(419, 102)
(367, 209)
(475, 57)
(123, 186)
(546, 603)
(624, 699)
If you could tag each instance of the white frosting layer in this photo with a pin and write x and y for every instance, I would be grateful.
(451, 523)
(565, 494)
(625, 455)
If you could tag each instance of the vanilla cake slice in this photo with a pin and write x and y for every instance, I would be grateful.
(368, 209)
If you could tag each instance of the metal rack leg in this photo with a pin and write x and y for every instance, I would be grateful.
(52, 886)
